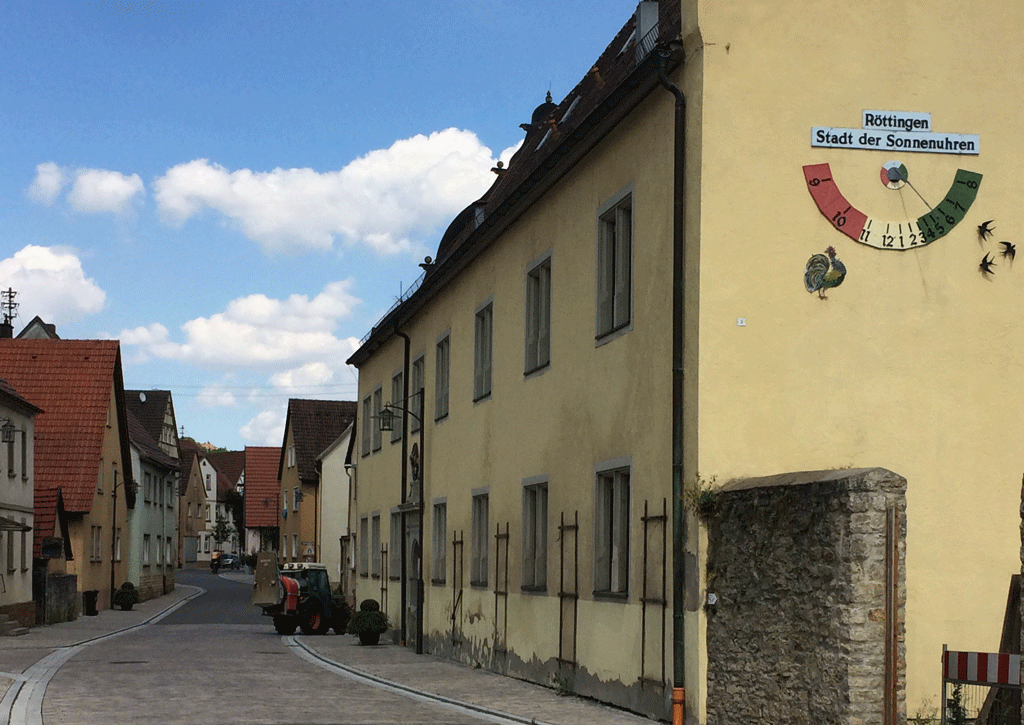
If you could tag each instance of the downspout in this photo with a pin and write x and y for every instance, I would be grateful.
(679, 524)
(405, 477)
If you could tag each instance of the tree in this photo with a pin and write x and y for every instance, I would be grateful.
(222, 530)
(236, 507)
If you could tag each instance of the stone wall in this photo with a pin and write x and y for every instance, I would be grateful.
(63, 601)
(798, 632)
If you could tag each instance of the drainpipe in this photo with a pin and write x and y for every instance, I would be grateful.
(405, 478)
(679, 527)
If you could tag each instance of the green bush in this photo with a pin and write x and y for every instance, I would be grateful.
(367, 620)
(369, 605)
(126, 596)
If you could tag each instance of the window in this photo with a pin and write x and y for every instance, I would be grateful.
(538, 316)
(24, 454)
(614, 256)
(364, 546)
(190, 509)
(145, 549)
(375, 546)
(99, 478)
(95, 552)
(209, 513)
(10, 550)
(441, 371)
(168, 556)
(24, 546)
(295, 498)
(10, 459)
(482, 349)
(206, 544)
(611, 531)
(366, 425)
(291, 456)
(147, 486)
(395, 550)
(117, 544)
(439, 542)
(535, 533)
(416, 393)
(209, 481)
(479, 542)
(378, 401)
(295, 547)
(398, 398)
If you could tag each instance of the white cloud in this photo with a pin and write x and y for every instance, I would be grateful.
(50, 283)
(298, 381)
(50, 179)
(99, 190)
(386, 200)
(215, 396)
(265, 429)
(94, 190)
(259, 331)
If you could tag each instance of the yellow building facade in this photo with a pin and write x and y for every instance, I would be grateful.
(547, 332)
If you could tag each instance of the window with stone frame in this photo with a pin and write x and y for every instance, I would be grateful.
(611, 531)
(479, 538)
(535, 534)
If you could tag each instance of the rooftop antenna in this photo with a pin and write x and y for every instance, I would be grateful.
(8, 307)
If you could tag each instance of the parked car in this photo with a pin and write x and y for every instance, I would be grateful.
(230, 561)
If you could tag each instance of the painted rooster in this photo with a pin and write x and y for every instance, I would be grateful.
(824, 271)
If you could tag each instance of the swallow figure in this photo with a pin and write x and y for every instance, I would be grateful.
(1009, 250)
(986, 265)
(985, 229)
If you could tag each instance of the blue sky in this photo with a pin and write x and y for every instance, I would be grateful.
(238, 190)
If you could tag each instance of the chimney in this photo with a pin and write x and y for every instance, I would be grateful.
(6, 330)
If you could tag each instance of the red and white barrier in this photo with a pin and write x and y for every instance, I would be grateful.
(981, 668)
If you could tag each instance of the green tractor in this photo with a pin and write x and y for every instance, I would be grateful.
(298, 595)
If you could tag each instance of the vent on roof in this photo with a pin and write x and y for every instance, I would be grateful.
(142, 397)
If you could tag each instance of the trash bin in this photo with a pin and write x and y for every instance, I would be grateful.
(89, 602)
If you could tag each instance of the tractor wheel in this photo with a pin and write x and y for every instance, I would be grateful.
(284, 624)
(313, 621)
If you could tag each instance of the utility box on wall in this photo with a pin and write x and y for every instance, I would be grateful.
(805, 599)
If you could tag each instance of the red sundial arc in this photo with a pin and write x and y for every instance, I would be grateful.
(895, 235)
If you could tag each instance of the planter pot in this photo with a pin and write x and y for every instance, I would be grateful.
(127, 607)
(368, 638)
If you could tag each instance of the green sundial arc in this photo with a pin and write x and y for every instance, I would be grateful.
(901, 235)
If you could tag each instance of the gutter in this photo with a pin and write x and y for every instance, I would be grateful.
(679, 523)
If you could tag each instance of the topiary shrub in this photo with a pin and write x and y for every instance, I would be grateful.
(126, 597)
(369, 623)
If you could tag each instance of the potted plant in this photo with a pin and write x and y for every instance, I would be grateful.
(126, 597)
(369, 623)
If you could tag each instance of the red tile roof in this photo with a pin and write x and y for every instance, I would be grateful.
(72, 381)
(262, 490)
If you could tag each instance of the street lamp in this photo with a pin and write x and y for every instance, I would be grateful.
(7, 431)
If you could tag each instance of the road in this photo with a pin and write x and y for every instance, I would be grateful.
(214, 659)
